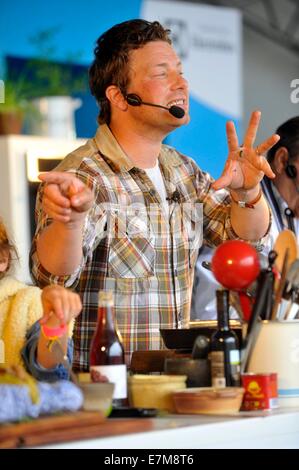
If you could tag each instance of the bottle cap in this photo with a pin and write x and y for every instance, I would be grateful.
(105, 298)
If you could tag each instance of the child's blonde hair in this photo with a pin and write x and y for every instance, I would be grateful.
(7, 248)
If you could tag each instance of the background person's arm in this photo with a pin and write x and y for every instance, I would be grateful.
(60, 307)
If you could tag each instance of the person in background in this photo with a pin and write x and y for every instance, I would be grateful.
(282, 194)
(25, 311)
(116, 212)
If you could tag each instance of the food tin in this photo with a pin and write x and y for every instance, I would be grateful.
(260, 391)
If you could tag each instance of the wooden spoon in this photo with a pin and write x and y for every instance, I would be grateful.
(286, 239)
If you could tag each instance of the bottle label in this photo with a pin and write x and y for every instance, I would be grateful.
(116, 374)
(217, 369)
(234, 359)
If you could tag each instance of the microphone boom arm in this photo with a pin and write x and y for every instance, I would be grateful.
(135, 100)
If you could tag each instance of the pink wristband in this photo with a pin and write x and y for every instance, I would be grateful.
(53, 332)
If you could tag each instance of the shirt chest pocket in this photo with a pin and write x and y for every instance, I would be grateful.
(131, 247)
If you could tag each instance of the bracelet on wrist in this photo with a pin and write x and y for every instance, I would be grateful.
(53, 333)
(250, 204)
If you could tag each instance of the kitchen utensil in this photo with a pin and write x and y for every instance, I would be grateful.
(286, 239)
(254, 323)
(267, 276)
(292, 278)
(184, 338)
(293, 311)
(270, 280)
(289, 302)
(281, 284)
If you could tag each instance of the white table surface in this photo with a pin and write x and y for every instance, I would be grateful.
(278, 429)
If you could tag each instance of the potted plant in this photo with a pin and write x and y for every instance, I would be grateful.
(13, 108)
(45, 87)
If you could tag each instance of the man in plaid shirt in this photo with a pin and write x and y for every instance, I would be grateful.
(128, 214)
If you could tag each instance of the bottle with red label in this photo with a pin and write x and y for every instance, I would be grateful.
(224, 348)
(107, 359)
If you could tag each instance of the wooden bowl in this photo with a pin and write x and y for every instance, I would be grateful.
(208, 400)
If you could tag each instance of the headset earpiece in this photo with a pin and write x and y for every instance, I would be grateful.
(291, 171)
(133, 100)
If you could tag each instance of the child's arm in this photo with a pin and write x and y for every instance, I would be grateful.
(60, 306)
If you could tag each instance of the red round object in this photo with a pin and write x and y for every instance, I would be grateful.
(235, 264)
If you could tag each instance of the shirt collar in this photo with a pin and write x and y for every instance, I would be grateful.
(110, 148)
(280, 200)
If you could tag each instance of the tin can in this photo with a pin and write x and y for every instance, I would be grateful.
(260, 391)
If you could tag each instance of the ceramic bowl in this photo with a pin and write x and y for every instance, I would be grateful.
(208, 400)
(155, 391)
(97, 396)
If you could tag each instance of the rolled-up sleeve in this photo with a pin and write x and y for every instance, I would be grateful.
(93, 231)
(39, 372)
(217, 224)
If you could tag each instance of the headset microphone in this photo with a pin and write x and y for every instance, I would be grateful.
(175, 197)
(135, 100)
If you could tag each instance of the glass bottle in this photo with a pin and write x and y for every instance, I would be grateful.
(224, 349)
(107, 358)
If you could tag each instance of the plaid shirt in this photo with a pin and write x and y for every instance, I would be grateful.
(132, 246)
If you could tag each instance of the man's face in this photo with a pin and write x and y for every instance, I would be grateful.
(156, 76)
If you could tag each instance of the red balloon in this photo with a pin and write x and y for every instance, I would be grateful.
(235, 264)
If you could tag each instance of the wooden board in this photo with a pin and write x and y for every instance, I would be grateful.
(286, 239)
(67, 427)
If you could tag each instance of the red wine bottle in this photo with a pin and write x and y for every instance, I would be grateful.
(107, 358)
(224, 349)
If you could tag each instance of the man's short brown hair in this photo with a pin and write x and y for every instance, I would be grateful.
(110, 65)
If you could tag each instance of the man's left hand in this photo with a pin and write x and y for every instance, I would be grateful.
(245, 166)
